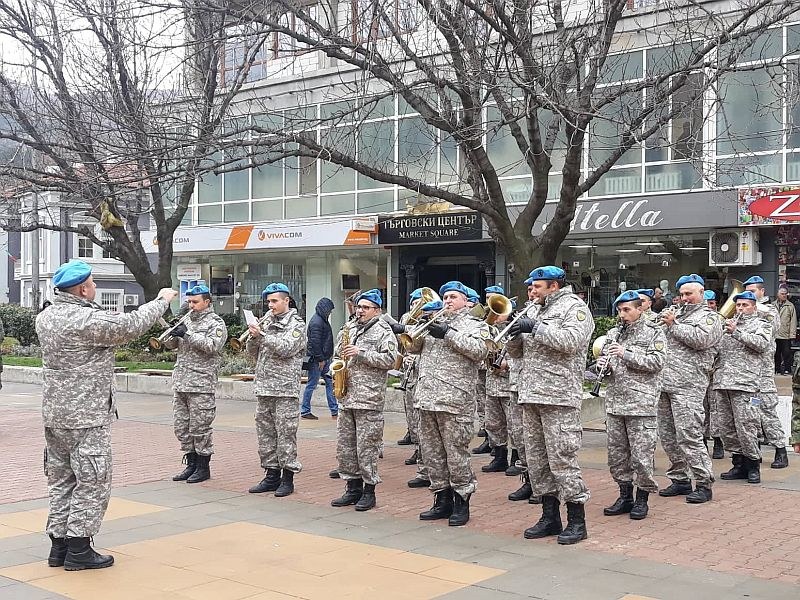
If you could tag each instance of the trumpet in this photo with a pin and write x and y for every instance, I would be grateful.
(407, 339)
(157, 343)
(238, 344)
(497, 342)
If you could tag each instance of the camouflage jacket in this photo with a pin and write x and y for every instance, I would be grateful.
(634, 382)
(690, 349)
(448, 368)
(554, 356)
(366, 384)
(199, 352)
(279, 355)
(767, 310)
(740, 360)
(409, 360)
(497, 380)
(78, 339)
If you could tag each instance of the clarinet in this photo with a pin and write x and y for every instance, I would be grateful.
(607, 368)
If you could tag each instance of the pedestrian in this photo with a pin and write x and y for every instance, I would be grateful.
(633, 359)
(710, 296)
(647, 295)
(199, 341)
(278, 344)
(785, 332)
(368, 346)
(553, 347)
(496, 411)
(692, 333)
(659, 302)
(320, 352)
(78, 339)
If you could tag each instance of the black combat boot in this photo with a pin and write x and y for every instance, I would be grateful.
(287, 484)
(482, 433)
(405, 440)
(676, 488)
(460, 514)
(442, 506)
(535, 500)
(81, 555)
(624, 503)
(484, 448)
(353, 490)
(549, 524)
(700, 495)
(58, 552)
(419, 482)
(738, 471)
(718, 451)
(334, 474)
(575, 531)
(524, 492)
(270, 483)
(513, 470)
(640, 508)
(367, 500)
(203, 470)
(190, 460)
(412, 460)
(753, 468)
(781, 459)
(500, 461)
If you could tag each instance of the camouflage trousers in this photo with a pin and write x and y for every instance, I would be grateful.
(444, 440)
(738, 421)
(795, 439)
(78, 469)
(193, 415)
(277, 418)
(632, 449)
(770, 424)
(516, 436)
(680, 427)
(553, 436)
(359, 435)
(412, 415)
(480, 398)
(711, 420)
(496, 421)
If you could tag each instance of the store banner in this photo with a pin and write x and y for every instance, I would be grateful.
(423, 229)
(265, 236)
(769, 206)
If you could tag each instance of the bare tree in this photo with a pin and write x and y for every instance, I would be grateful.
(119, 107)
(554, 77)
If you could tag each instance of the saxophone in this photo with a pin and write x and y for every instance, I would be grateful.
(338, 370)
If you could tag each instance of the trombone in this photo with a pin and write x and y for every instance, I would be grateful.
(238, 344)
(420, 331)
(497, 343)
(157, 343)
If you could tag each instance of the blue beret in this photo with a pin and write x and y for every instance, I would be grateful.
(70, 274)
(273, 288)
(494, 289)
(628, 296)
(472, 295)
(514, 304)
(455, 286)
(550, 272)
(373, 296)
(197, 290)
(432, 306)
(650, 293)
(754, 279)
(416, 294)
(745, 296)
(709, 295)
(693, 278)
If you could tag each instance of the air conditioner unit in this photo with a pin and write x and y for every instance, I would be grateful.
(131, 300)
(733, 248)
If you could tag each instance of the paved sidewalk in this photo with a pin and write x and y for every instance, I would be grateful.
(214, 540)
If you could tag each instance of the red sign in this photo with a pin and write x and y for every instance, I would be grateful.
(782, 206)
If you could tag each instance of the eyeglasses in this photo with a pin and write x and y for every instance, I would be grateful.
(364, 307)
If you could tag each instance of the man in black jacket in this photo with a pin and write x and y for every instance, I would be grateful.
(320, 351)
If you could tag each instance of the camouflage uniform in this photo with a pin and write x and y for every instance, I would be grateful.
(78, 405)
(690, 342)
(770, 424)
(795, 432)
(634, 383)
(551, 393)
(279, 352)
(737, 377)
(359, 429)
(496, 416)
(445, 397)
(412, 414)
(516, 435)
(194, 380)
(711, 421)
(480, 397)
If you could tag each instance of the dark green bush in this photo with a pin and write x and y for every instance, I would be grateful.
(19, 323)
(601, 327)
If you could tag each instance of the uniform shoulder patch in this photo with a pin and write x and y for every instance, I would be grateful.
(392, 346)
(295, 333)
(710, 320)
(218, 332)
(484, 333)
(659, 346)
(581, 315)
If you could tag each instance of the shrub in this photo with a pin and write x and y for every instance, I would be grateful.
(601, 327)
(7, 344)
(235, 363)
(20, 350)
(19, 323)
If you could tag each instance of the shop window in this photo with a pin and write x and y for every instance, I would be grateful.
(376, 202)
(337, 205)
(749, 112)
(267, 210)
(237, 212)
(207, 215)
(297, 208)
(744, 170)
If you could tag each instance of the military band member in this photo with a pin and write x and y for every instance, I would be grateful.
(278, 345)
(737, 379)
(449, 356)
(693, 332)
(768, 408)
(199, 343)
(410, 381)
(480, 391)
(553, 349)
(497, 384)
(634, 359)
(711, 428)
(78, 405)
(646, 295)
(370, 352)
(710, 296)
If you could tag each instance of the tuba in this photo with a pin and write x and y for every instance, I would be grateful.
(729, 308)
(338, 370)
